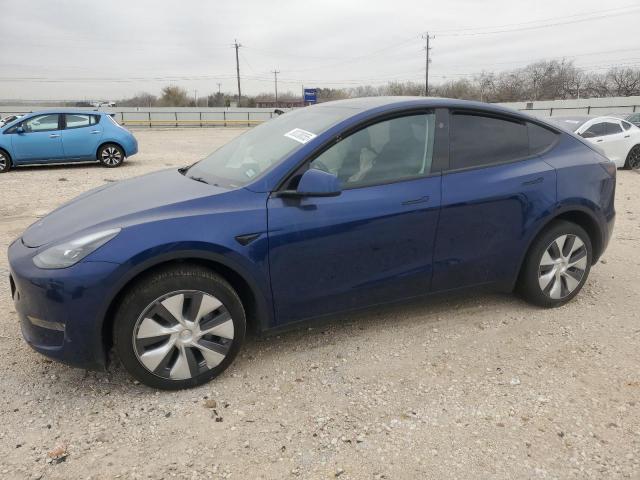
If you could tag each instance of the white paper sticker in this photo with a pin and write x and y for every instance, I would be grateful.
(300, 135)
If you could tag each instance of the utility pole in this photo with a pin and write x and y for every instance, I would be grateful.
(275, 76)
(236, 45)
(427, 49)
(219, 85)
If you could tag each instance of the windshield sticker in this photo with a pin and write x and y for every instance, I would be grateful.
(300, 135)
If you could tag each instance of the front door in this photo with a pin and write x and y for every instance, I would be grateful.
(40, 140)
(371, 244)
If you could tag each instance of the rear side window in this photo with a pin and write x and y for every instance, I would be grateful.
(540, 138)
(612, 128)
(77, 121)
(478, 140)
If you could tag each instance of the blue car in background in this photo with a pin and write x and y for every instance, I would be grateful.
(325, 209)
(61, 136)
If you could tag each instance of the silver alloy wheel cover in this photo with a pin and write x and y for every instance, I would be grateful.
(3, 161)
(183, 334)
(111, 156)
(634, 158)
(562, 266)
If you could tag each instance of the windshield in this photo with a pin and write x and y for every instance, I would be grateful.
(261, 148)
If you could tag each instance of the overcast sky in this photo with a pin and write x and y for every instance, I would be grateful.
(78, 49)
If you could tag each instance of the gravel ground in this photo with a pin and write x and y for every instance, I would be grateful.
(474, 386)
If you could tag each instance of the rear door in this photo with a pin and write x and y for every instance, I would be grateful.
(497, 187)
(40, 141)
(603, 134)
(81, 135)
(617, 140)
(374, 242)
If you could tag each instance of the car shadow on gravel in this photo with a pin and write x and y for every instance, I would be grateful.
(281, 348)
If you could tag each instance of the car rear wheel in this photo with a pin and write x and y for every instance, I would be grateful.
(633, 158)
(179, 328)
(111, 155)
(5, 162)
(557, 265)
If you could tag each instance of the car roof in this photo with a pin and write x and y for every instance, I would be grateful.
(364, 104)
(64, 110)
(367, 103)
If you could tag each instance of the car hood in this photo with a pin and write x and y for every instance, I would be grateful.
(119, 204)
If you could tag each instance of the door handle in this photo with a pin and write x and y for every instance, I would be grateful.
(599, 140)
(627, 136)
(54, 135)
(95, 131)
(534, 181)
(416, 201)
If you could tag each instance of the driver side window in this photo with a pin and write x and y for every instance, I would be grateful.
(391, 150)
(41, 123)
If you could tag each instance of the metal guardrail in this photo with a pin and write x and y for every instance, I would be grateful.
(162, 117)
(587, 109)
(178, 119)
(192, 118)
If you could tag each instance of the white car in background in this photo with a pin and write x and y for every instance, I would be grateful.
(617, 138)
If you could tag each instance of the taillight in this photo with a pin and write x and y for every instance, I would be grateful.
(610, 167)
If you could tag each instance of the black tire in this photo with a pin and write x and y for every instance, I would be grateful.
(529, 283)
(633, 159)
(5, 162)
(111, 155)
(160, 284)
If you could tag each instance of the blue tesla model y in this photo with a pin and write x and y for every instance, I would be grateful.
(62, 136)
(325, 209)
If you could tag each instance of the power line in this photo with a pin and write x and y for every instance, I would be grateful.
(584, 14)
(535, 27)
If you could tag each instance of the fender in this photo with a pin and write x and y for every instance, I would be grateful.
(559, 211)
(126, 273)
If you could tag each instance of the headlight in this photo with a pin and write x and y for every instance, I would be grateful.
(69, 253)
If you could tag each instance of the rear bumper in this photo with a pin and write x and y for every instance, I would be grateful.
(61, 311)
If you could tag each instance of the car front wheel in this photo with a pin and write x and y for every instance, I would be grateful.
(557, 265)
(111, 155)
(5, 162)
(179, 328)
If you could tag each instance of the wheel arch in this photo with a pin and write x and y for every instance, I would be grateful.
(574, 214)
(256, 307)
(109, 142)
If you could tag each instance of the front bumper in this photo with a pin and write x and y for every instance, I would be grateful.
(61, 311)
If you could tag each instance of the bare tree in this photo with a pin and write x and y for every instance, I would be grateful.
(174, 96)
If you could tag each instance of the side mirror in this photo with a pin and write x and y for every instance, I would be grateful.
(315, 183)
(587, 134)
(19, 129)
